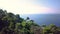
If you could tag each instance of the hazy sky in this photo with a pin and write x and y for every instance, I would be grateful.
(31, 6)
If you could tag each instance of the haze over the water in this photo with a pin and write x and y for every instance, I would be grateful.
(31, 6)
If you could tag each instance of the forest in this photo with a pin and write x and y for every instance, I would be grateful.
(11, 23)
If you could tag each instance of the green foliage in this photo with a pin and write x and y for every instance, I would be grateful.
(14, 24)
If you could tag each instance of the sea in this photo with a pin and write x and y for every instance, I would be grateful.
(42, 19)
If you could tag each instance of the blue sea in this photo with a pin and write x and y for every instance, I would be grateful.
(44, 18)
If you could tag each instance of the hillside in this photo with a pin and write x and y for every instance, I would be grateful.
(14, 24)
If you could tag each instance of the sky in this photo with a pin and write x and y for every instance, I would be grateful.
(31, 6)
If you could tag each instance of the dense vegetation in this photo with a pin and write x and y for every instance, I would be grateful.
(14, 24)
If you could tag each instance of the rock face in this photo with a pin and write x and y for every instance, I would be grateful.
(37, 30)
